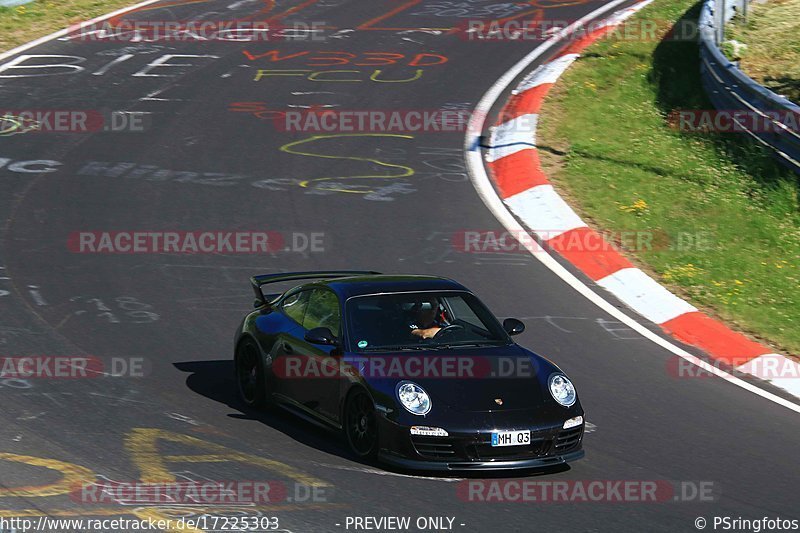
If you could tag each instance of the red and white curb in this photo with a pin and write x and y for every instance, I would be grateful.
(514, 167)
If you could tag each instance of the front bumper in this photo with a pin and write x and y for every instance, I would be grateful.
(519, 464)
(472, 450)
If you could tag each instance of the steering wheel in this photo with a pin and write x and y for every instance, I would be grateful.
(444, 331)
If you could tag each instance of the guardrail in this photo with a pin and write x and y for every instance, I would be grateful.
(730, 89)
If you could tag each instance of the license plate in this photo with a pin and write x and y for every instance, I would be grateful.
(511, 438)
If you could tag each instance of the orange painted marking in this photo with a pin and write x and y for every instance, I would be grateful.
(393, 12)
(270, 5)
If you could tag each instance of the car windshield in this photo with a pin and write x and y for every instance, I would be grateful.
(420, 320)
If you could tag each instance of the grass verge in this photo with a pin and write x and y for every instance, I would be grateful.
(607, 143)
(772, 36)
(21, 24)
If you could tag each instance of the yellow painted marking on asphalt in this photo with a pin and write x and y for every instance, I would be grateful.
(142, 444)
(15, 124)
(417, 75)
(72, 476)
(318, 76)
(290, 148)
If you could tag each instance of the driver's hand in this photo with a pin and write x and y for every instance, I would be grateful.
(425, 333)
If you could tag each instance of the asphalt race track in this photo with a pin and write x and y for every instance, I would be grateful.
(211, 158)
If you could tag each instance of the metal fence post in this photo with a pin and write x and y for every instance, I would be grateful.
(729, 88)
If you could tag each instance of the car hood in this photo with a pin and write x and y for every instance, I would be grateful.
(505, 378)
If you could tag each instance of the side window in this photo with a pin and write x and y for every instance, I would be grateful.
(295, 306)
(323, 311)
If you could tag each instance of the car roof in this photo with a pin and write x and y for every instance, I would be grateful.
(387, 283)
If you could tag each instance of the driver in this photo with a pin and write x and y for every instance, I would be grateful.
(427, 320)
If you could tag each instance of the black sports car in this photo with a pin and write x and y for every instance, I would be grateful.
(414, 370)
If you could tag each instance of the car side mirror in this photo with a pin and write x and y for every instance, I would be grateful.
(321, 336)
(513, 326)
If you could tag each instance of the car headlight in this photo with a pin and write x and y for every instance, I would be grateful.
(414, 398)
(562, 390)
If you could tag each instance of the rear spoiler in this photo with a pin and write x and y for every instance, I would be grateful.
(258, 281)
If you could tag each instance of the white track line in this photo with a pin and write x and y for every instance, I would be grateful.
(65, 31)
(482, 184)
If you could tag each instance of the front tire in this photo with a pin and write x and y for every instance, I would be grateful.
(361, 425)
(250, 379)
